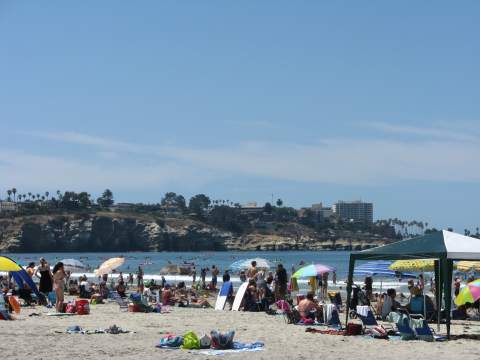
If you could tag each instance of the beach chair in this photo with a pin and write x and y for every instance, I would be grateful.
(335, 298)
(365, 314)
(330, 315)
(123, 303)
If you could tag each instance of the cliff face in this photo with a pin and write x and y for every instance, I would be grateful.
(113, 232)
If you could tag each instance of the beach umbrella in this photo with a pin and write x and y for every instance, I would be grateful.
(414, 265)
(108, 266)
(417, 265)
(379, 268)
(245, 264)
(469, 294)
(18, 273)
(467, 266)
(74, 265)
(312, 270)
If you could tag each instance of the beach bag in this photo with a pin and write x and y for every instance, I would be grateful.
(171, 341)
(354, 329)
(222, 341)
(71, 308)
(190, 341)
(379, 332)
(205, 342)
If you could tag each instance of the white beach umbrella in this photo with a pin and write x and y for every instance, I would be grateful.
(74, 265)
(108, 266)
(245, 264)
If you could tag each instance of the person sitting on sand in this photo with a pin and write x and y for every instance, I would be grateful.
(73, 287)
(308, 307)
(389, 303)
(121, 289)
(167, 295)
(251, 297)
(416, 304)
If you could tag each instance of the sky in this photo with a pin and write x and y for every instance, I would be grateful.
(307, 101)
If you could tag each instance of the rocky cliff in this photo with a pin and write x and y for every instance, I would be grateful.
(139, 232)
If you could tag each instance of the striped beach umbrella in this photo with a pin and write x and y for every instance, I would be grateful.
(312, 271)
(469, 294)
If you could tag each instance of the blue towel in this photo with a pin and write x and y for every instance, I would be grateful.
(254, 345)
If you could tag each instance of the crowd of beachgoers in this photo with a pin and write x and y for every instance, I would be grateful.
(388, 314)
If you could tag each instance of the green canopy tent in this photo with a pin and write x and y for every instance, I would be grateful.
(443, 246)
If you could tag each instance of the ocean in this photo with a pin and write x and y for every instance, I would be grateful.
(152, 262)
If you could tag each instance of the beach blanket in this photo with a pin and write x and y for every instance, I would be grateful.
(238, 347)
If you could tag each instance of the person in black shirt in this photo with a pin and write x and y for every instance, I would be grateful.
(281, 280)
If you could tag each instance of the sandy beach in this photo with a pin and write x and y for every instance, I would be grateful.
(42, 337)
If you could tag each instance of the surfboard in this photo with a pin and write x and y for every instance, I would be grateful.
(222, 295)
(239, 296)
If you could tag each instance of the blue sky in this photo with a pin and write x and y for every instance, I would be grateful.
(309, 100)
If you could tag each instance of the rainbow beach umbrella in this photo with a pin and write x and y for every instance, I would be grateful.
(469, 294)
(312, 271)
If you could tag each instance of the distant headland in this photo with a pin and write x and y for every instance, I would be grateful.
(71, 221)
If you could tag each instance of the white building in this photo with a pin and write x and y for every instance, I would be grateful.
(357, 211)
(8, 206)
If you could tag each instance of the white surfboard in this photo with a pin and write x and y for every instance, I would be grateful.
(239, 296)
(222, 295)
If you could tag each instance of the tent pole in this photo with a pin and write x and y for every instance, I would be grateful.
(438, 293)
(351, 266)
(448, 266)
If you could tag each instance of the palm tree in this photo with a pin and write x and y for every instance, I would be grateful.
(43, 198)
(46, 194)
(38, 196)
(29, 195)
(14, 191)
(9, 192)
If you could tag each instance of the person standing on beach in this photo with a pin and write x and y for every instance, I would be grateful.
(46, 277)
(59, 285)
(194, 275)
(139, 276)
(324, 285)
(281, 280)
(203, 274)
(215, 273)
(252, 271)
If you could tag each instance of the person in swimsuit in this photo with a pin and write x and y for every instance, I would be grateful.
(45, 275)
(59, 285)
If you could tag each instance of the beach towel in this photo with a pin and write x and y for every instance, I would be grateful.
(237, 347)
(170, 342)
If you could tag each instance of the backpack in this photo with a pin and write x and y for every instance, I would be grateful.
(190, 341)
(222, 341)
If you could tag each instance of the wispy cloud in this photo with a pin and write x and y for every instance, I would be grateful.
(343, 161)
(450, 133)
